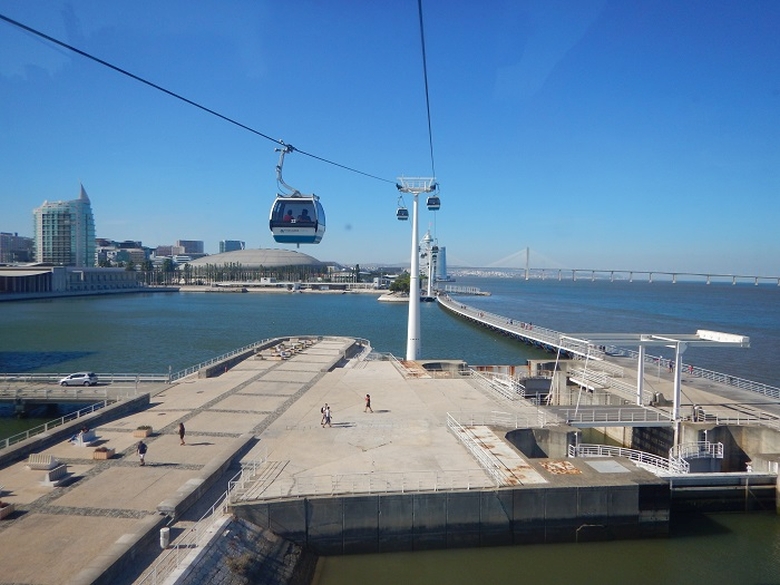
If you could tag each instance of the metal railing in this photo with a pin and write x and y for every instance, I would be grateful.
(17, 438)
(633, 414)
(696, 450)
(53, 377)
(653, 463)
(504, 385)
(192, 369)
(246, 486)
(192, 539)
(487, 460)
(530, 417)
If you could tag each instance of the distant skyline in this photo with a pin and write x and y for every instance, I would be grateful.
(604, 134)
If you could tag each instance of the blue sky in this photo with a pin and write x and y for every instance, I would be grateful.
(601, 134)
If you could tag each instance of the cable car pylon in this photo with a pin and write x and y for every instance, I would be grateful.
(414, 186)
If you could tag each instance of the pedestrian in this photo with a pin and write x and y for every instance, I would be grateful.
(327, 417)
(368, 404)
(322, 412)
(181, 433)
(141, 448)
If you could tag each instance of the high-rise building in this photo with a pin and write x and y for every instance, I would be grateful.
(15, 248)
(65, 232)
(231, 245)
(191, 246)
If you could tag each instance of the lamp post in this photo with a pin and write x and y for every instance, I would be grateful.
(414, 186)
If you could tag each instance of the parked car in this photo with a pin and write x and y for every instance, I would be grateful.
(79, 379)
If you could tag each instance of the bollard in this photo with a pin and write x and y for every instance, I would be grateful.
(165, 537)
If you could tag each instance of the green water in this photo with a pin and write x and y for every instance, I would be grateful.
(713, 549)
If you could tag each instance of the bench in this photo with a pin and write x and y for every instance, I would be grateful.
(84, 439)
(55, 476)
(42, 461)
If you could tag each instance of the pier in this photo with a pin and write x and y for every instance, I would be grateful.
(447, 458)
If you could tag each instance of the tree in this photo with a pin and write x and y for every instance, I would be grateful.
(401, 284)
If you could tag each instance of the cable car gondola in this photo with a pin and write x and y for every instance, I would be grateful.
(433, 203)
(295, 218)
(402, 214)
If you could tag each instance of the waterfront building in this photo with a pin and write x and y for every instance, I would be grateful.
(65, 232)
(15, 248)
(190, 247)
(231, 246)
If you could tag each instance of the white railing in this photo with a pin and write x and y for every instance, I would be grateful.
(525, 419)
(192, 539)
(653, 463)
(486, 459)
(5, 443)
(695, 450)
(633, 414)
(366, 483)
(504, 385)
(192, 369)
(53, 377)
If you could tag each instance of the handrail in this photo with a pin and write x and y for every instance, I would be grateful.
(102, 377)
(210, 362)
(698, 449)
(653, 463)
(487, 460)
(191, 539)
(23, 436)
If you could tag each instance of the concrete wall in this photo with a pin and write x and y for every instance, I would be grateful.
(546, 442)
(39, 442)
(424, 521)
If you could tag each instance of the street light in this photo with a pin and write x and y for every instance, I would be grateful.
(414, 186)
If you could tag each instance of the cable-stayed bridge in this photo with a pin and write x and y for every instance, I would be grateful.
(520, 262)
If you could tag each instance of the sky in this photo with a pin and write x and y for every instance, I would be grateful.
(601, 134)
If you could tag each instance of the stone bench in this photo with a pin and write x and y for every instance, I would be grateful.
(42, 461)
(84, 439)
(55, 476)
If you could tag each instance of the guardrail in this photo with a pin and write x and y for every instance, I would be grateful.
(192, 539)
(653, 463)
(401, 482)
(192, 369)
(628, 415)
(504, 385)
(17, 438)
(103, 378)
(696, 450)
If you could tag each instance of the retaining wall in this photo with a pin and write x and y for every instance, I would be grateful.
(424, 521)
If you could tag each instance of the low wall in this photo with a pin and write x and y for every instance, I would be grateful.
(42, 441)
(424, 521)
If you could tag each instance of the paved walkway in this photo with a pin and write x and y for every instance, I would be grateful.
(57, 534)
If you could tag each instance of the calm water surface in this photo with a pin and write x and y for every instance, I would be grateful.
(152, 332)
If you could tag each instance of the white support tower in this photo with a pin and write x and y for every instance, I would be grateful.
(414, 186)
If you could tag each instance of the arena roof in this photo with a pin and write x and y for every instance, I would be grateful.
(267, 258)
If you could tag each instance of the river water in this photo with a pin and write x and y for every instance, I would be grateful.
(159, 332)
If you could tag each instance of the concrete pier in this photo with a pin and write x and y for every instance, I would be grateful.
(413, 474)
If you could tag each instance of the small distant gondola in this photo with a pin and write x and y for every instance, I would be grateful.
(433, 203)
(402, 213)
(295, 218)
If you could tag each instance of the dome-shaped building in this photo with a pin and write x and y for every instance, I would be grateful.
(263, 258)
(256, 265)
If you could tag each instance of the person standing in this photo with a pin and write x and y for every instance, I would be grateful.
(181, 433)
(368, 404)
(141, 449)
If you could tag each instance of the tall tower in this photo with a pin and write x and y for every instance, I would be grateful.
(65, 232)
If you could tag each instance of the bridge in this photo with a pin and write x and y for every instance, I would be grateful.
(604, 363)
(520, 262)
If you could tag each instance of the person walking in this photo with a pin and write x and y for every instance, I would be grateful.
(322, 412)
(368, 404)
(181, 433)
(141, 449)
(327, 417)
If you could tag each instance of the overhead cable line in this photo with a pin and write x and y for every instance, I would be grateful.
(182, 98)
(425, 75)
